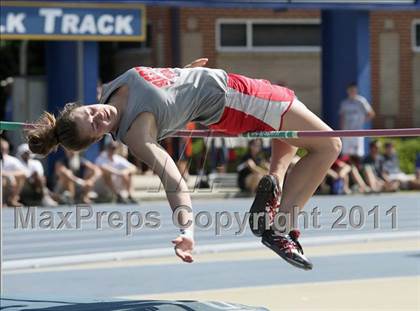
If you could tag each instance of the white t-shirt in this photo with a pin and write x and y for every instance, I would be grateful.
(11, 164)
(118, 162)
(354, 112)
(353, 146)
(33, 166)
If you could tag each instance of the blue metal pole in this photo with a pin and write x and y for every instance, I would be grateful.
(61, 81)
(90, 78)
(345, 58)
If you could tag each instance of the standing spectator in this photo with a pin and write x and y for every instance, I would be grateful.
(266, 147)
(372, 169)
(218, 155)
(391, 169)
(99, 88)
(185, 153)
(252, 167)
(76, 177)
(14, 175)
(117, 173)
(355, 110)
(6, 110)
(35, 189)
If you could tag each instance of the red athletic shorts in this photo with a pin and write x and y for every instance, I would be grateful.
(253, 105)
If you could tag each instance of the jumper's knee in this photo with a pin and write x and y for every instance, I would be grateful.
(329, 147)
(335, 146)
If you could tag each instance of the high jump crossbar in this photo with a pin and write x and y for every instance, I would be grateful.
(298, 134)
(402, 132)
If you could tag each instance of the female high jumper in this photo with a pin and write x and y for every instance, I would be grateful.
(145, 105)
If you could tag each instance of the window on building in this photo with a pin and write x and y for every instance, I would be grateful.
(285, 35)
(416, 35)
(268, 35)
(233, 35)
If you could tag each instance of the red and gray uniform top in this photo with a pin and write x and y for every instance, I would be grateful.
(212, 97)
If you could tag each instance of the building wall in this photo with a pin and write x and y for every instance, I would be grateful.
(416, 89)
(395, 70)
(298, 70)
(395, 66)
(159, 55)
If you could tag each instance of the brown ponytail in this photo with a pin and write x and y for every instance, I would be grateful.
(50, 132)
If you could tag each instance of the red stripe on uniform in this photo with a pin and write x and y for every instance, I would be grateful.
(282, 115)
(236, 122)
(257, 89)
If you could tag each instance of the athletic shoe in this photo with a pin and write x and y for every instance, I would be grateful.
(47, 200)
(122, 200)
(132, 200)
(266, 201)
(287, 247)
(67, 198)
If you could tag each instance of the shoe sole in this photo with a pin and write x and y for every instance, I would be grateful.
(265, 193)
(299, 265)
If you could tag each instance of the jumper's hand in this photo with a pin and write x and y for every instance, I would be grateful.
(183, 248)
(197, 63)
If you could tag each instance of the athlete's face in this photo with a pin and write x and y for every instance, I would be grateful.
(95, 120)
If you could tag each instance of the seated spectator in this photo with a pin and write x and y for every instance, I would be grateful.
(35, 191)
(357, 182)
(117, 173)
(339, 177)
(76, 177)
(372, 169)
(13, 177)
(252, 167)
(391, 169)
(418, 166)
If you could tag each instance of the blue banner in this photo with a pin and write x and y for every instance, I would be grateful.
(72, 21)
